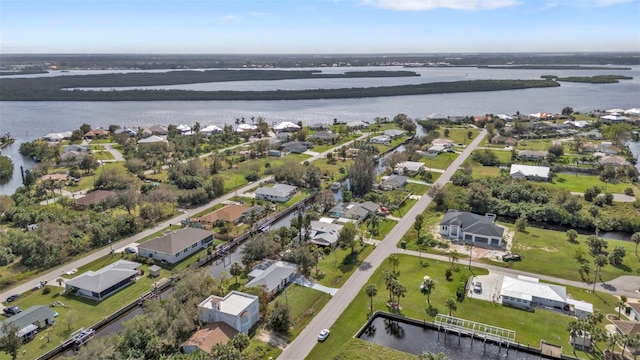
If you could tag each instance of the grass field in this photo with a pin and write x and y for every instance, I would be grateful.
(338, 266)
(459, 135)
(103, 155)
(442, 161)
(580, 183)
(529, 327)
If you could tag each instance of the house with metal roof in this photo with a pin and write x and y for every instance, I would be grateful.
(381, 139)
(279, 192)
(237, 309)
(273, 275)
(532, 154)
(411, 167)
(354, 210)
(471, 228)
(286, 126)
(324, 234)
(394, 133)
(98, 285)
(29, 322)
(395, 181)
(539, 173)
(176, 245)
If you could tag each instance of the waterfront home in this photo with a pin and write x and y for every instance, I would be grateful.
(98, 285)
(152, 139)
(232, 213)
(176, 245)
(394, 182)
(211, 129)
(97, 134)
(528, 293)
(613, 160)
(323, 136)
(613, 118)
(57, 137)
(434, 150)
(381, 139)
(538, 173)
(532, 155)
(358, 124)
(471, 228)
(410, 167)
(446, 143)
(323, 233)
(394, 133)
(279, 192)
(156, 130)
(29, 322)
(272, 275)
(354, 210)
(286, 126)
(237, 309)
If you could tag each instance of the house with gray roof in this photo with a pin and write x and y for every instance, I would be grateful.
(98, 285)
(529, 172)
(176, 245)
(394, 133)
(297, 147)
(323, 136)
(29, 321)
(279, 192)
(381, 139)
(354, 210)
(324, 233)
(471, 228)
(395, 181)
(532, 154)
(273, 275)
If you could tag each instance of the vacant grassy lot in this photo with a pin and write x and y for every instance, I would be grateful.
(529, 327)
(442, 161)
(304, 303)
(580, 183)
(459, 135)
(337, 267)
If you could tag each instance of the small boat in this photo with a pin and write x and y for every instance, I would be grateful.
(335, 186)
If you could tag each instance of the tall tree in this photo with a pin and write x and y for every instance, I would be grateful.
(417, 224)
(451, 305)
(427, 287)
(347, 236)
(394, 261)
(636, 240)
(600, 261)
(236, 270)
(11, 342)
(371, 290)
(362, 174)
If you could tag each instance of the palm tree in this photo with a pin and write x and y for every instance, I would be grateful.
(418, 224)
(235, 270)
(400, 291)
(599, 261)
(575, 329)
(394, 261)
(636, 240)
(373, 223)
(620, 304)
(371, 290)
(389, 278)
(612, 340)
(451, 305)
(585, 270)
(454, 256)
(427, 287)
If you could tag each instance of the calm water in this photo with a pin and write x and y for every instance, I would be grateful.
(30, 120)
(416, 340)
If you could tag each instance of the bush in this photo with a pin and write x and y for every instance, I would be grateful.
(628, 191)
(252, 176)
(448, 273)
(461, 291)
(46, 290)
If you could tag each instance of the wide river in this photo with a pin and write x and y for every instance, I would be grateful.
(31, 119)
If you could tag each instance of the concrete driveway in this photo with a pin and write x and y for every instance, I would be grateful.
(491, 286)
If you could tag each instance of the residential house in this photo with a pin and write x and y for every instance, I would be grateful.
(354, 210)
(447, 143)
(411, 167)
(358, 124)
(611, 150)
(634, 314)
(323, 136)
(230, 214)
(613, 118)
(532, 155)
(593, 134)
(381, 139)
(272, 275)
(504, 140)
(318, 126)
(84, 148)
(97, 134)
(588, 147)
(29, 322)
(286, 126)
(352, 152)
(206, 337)
(157, 130)
(297, 147)
(395, 181)
(72, 157)
(578, 124)
(471, 228)
(631, 328)
(176, 245)
(152, 139)
(248, 128)
(94, 197)
(613, 160)
(211, 129)
(435, 150)
(98, 285)
(504, 117)
(56, 177)
(538, 173)
(276, 153)
(57, 137)
(394, 133)
(129, 132)
(279, 192)
(324, 233)
(237, 309)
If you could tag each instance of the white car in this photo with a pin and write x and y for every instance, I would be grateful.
(324, 334)
(71, 272)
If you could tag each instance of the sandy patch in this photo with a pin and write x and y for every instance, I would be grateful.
(271, 338)
(478, 252)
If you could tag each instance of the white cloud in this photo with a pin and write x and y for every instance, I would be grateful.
(418, 5)
(585, 3)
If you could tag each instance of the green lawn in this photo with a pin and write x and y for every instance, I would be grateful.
(543, 250)
(101, 141)
(338, 266)
(80, 312)
(304, 304)
(479, 171)
(103, 155)
(535, 144)
(420, 189)
(442, 161)
(580, 183)
(383, 230)
(529, 327)
(459, 135)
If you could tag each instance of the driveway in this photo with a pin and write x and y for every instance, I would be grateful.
(491, 286)
(303, 281)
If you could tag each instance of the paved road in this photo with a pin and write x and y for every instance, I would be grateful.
(52, 275)
(302, 345)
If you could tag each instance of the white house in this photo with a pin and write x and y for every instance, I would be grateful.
(279, 192)
(381, 139)
(272, 275)
(412, 167)
(470, 227)
(152, 139)
(211, 129)
(529, 172)
(613, 118)
(237, 309)
(105, 282)
(286, 126)
(176, 245)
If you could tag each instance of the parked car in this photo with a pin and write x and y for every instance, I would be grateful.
(130, 250)
(477, 287)
(12, 310)
(324, 334)
(71, 272)
(13, 297)
(511, 257)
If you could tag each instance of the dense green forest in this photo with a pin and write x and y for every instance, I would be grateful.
(49, 89)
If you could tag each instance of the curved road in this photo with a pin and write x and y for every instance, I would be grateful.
(52, 275)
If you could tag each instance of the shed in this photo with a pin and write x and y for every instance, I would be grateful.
(154, 270)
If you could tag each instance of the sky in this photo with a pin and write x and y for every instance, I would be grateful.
(318, 26)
